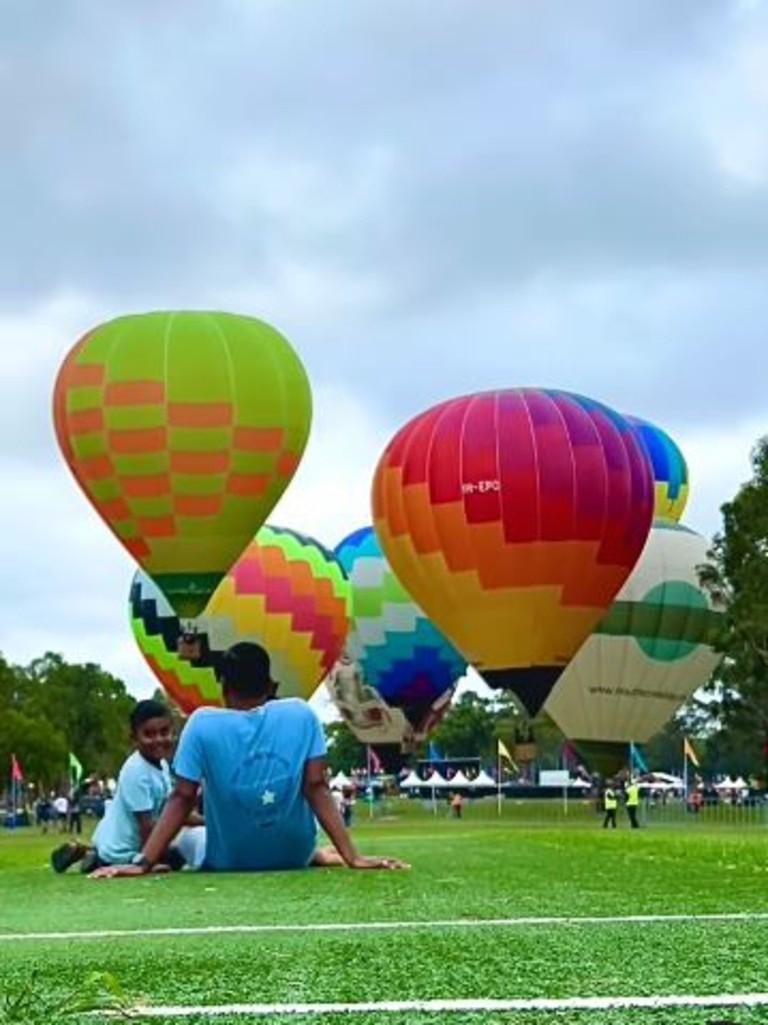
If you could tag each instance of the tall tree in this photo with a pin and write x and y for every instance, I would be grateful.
(468, 728)
(737, 577)
(83, 705)
(345, 752)
(40, 748)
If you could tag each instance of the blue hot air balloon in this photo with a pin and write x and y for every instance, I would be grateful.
(405, 663)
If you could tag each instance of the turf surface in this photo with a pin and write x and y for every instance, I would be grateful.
(469, 870)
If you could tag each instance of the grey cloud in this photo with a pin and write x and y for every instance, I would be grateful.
(525, 187)
(519, 135)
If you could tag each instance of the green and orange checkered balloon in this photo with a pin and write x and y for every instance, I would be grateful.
(183, 429)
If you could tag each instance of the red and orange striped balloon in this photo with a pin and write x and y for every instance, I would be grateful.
(513, 518)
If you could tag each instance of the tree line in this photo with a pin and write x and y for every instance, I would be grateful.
(474, 724)
(50, 710)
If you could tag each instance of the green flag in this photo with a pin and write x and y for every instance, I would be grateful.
(75, 768)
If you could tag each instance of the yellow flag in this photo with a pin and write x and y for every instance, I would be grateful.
(689, 753)
(504, 753)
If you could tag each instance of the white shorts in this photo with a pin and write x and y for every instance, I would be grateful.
(190, 843)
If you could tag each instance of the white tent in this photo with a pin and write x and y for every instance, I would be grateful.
(411, 780)
(340, 781)
(435, 780)
(458, 779)
(665, 777)
(727, 784)
(659, 785)
(482, 779)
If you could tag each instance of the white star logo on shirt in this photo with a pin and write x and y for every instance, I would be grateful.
(268, 797)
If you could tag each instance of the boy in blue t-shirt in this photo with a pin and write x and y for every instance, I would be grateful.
(143, 786)
(261, 763)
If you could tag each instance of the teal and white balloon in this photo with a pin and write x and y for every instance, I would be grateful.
(399, 671)
(650, 652)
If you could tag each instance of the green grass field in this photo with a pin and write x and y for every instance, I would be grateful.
(503, 911)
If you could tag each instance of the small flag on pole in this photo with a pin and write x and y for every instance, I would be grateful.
(689, 753)
(434, 753)
(570, 758)
(639, 763)
(75, 768)
(503, 752)
(16, 773)
(374, 762)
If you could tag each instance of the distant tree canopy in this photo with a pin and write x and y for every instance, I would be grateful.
(51, 708)
(345, 751)
(738, 578)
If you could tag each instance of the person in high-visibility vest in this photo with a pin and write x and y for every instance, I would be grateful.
(610, 803)
(632, 794)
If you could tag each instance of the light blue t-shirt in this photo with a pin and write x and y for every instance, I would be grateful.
(251, 765)
(141, 787)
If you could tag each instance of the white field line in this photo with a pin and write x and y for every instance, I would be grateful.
(449, 923)
(480, 1005)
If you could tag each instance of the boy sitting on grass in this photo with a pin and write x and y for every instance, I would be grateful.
(143, 786)
(262, 765)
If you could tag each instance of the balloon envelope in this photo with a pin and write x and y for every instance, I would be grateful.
(397, 677)
(513, 518)
(183, 429)
(400, 652)
(392, 732)
(670, 470)
(650, 652)
(286, 592)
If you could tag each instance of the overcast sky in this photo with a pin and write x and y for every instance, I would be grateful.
(426, 196)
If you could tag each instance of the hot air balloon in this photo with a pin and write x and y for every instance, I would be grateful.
(183, 429)
(513, 518)
(286, 592)
(647, 656)
(399, 672)
(670, 470)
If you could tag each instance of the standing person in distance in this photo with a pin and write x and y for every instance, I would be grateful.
(610, 804)
(632, 800)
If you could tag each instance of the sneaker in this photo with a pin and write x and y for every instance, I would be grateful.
(65, 855)
(90, 862)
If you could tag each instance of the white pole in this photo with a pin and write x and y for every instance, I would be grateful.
(370, 782)
(498, 783)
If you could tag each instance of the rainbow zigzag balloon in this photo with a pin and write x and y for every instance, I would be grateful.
(286, 592)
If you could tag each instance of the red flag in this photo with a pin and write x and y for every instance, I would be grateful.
(568, 754)
(374, 762)
(16, 774)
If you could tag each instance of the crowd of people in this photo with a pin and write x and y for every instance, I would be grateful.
(62, 810)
